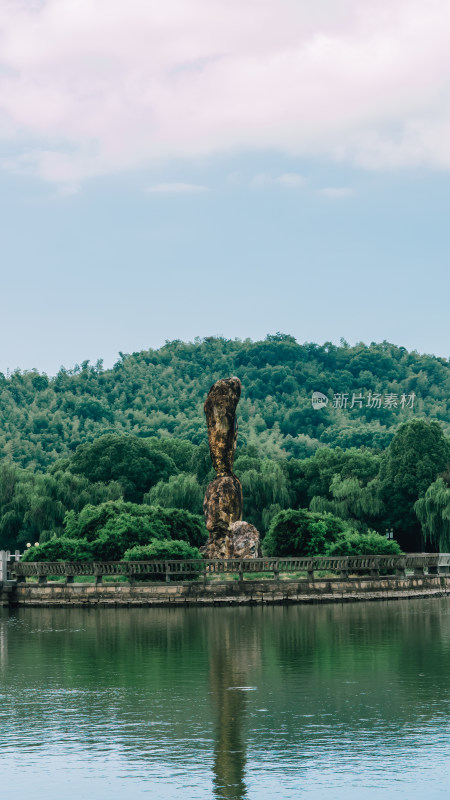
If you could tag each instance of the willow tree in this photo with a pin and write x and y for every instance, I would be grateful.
(180, 491)
(433, 512)
(417, 455)
(352, 501)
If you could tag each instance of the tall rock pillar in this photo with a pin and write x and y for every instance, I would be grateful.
(228, 536)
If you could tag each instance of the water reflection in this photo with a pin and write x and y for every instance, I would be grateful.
(3, 642)
(233, 651)
(232, 703)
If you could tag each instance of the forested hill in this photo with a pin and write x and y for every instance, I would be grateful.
(161, 392)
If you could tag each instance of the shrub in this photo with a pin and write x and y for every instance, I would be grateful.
(60, 549)
(121, 533)
(88, 523)
(129, 524)
(302, 533)
(181, 524)
(351, 543)
(162, 550)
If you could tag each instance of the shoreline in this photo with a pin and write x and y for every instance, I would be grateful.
(237, 593)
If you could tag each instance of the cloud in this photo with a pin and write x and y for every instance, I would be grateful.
(290, 180)
(95, 88)
(175, 188)
(335, 192)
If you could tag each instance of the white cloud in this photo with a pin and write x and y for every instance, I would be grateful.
(104, 86)
(175, 188)
(290, 180)
(335, 192)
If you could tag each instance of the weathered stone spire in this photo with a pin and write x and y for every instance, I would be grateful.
(223, 499)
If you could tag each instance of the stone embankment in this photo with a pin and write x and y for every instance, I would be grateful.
(228, 593)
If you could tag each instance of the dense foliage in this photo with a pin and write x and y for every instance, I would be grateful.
(60, 549)
(418, 454)
(351, 543)
(161, 550)
(119, 458)
(107, 531)
(433, 512)
(126, 459)
(302, 533)
(305, 533)
(33, 504)
(161, 392)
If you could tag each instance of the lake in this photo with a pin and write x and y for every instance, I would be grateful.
(319, 701)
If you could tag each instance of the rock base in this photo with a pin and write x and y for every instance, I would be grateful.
(245, 540)
(241, 541)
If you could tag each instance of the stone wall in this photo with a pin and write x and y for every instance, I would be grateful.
(225, 593)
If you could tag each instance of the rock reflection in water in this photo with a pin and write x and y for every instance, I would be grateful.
(338, 701)
(231, 654)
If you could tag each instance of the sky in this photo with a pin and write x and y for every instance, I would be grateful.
(221, 167)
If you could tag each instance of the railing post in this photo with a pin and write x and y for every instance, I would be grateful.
(3, 566)
(374, 570)
(167, 571)
(98, 577)
(41, 575)
(241, 572)
(443, 564)
(276, 571)
(433, 569)
(344, 568)
(310, 570)
(400, 570)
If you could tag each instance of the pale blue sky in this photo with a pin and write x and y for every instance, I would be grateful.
(233, 220)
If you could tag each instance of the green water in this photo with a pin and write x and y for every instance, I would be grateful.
(334, 701)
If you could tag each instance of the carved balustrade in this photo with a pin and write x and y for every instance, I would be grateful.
(265, 568)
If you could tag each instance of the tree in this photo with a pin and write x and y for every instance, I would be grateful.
(313, 476)
(265, 493)
(433, 512)
(359, 504)
(125, 459)
(159, 394)
(128, 524)
(33, 505)
(302, 533)
(418, 453)
(180, 491)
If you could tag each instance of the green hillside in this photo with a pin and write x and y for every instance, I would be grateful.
(122, 453)
(161, 393)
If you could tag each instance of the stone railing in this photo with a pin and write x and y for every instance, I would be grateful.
(265, 568)
(5, 558)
